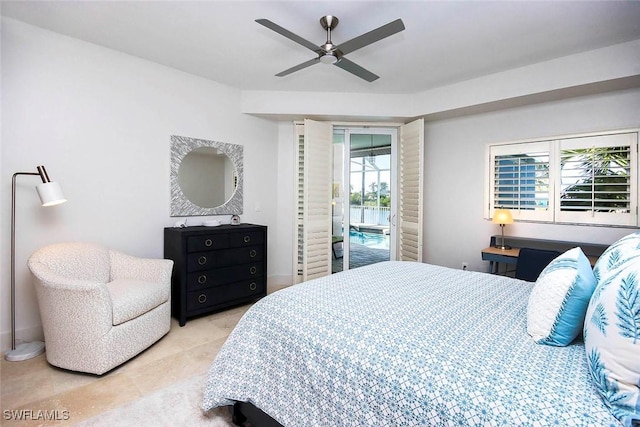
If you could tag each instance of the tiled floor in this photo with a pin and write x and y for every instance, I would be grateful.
(360, 255)
(34, 385)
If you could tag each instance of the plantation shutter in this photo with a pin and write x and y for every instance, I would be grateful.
(598, 183)
(313, 200)
(299, 226)
(521, 180)
(410, 190)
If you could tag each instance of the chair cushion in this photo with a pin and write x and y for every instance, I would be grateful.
(132, 298)
(558, 302)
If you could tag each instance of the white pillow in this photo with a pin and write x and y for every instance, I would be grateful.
(612, 336)
(559, 299)
(617, 254)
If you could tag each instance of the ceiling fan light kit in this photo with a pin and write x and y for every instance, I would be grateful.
(329, 58)
(329, 53)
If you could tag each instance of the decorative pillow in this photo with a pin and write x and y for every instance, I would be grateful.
(617, 254)
(559, 299)
(612, 338)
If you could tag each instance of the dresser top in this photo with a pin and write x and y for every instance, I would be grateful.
(227, 227)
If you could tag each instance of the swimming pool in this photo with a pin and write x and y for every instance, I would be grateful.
(370, 240)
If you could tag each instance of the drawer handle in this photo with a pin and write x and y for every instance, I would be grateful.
(202, 279)
(253, 286)
(208, 242)
(247, 239)
(253, 270)
(253, 253)
(202, 298)
(202, 260)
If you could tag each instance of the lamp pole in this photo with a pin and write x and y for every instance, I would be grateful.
(50, 194)
(13, 256)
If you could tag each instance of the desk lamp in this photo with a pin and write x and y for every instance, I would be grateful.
(502, 217)
(50, 194)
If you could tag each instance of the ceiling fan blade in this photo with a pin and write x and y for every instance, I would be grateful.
(299, 67)
(288, 34)
(372, 36)
(354, 68)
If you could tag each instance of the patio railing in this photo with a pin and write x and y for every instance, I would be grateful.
(369, 215)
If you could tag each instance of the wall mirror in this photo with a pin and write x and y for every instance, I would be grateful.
(206, 177)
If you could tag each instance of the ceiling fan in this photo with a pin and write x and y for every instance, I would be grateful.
(330, 53)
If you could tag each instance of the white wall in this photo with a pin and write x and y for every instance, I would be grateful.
(455, 230)
(100, 121)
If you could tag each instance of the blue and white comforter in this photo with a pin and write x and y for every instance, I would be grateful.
(402, 344)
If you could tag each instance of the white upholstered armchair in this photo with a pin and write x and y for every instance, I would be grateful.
(99, 307)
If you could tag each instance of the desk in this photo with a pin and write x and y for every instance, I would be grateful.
(497, 256)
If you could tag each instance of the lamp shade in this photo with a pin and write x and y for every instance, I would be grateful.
(50, 194)
(502, 216)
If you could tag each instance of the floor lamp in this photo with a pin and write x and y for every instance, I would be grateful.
(50, 194)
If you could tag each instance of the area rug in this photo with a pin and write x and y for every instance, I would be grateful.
(176, 405)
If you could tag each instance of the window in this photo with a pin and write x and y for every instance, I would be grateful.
(579, 180)
(521, 179)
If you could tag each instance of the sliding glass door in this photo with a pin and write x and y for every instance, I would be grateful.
(363, 204)
(358, 196)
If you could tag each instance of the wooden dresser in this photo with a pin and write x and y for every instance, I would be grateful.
(215, 267)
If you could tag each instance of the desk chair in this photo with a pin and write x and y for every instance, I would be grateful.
(531, 262)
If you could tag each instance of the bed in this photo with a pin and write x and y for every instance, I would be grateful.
(406, 344)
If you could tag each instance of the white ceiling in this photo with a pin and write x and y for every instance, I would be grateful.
(444, 42)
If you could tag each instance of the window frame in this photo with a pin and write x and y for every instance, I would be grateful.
(554, 214)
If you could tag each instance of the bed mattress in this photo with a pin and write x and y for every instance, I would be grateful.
(406, 344)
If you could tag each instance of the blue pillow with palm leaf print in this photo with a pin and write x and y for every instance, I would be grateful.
(612, 337)
(558, 301)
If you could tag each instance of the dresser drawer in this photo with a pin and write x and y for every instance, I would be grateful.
(246, 254)
(246, 238)
(224, 275)
(207, 241)
(199, 261)
(223, 294)
(207, 260)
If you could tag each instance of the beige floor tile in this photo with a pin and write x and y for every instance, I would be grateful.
(34, 385)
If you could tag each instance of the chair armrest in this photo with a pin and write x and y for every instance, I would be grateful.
(125, 266)
(79, 305)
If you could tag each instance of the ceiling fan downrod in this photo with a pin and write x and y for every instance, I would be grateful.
(329, 22)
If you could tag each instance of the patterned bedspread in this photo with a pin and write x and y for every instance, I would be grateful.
(402, 344)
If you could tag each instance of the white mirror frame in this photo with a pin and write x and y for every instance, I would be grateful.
(180, 204)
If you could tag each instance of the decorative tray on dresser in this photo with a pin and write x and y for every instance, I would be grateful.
(215, 267)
